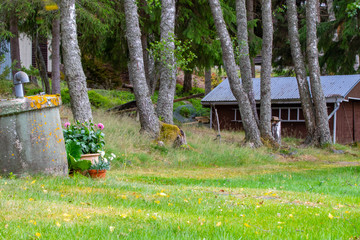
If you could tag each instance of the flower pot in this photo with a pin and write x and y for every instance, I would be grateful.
(93, 157)
(97, 173)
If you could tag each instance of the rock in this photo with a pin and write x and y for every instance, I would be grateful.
(338, 151)
(172, 134)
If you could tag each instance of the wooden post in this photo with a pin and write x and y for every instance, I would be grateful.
(218, 126)
(276, 129)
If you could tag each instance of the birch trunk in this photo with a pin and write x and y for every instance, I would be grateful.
(148, 120)
(252, 133)
(322, 134)
(300, 70)
(167, 69)
(266, 53)
(245, 64)
(207, 80)
(55, 56)
(74, 73)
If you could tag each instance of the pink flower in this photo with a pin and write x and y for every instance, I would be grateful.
(100, 125)
(67, 124)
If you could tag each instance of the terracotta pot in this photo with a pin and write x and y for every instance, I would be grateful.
(97, 173)
(93, 157)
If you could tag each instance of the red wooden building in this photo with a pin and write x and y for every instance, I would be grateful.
(342, 95)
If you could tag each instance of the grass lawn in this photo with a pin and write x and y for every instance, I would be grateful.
(215, 191)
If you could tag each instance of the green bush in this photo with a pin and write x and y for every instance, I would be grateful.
(98, 100)
(65, 96)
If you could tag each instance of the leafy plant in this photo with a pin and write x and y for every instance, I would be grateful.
(104, 162)
(73, 152)
(87, 135)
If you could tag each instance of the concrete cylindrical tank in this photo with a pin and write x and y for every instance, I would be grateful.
(31, 137)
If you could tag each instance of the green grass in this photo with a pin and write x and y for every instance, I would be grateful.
(214, 191)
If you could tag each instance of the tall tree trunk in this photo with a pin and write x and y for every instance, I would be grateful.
(266, 53)
(144, 46)
(322, 134)
(79, 99)
(207, 80)
(187, 81)
(250, 17)
(40, 62)
(330, 10)
(300, 70)
(55, 56)
(14, 43)
(245, 64)
(252, 133)
(148, 120)
(168, 68)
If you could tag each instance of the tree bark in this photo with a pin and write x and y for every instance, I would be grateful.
(252, 133)
(148, 120)
(250, 17)
(330, 10)
(144, 45)
(207, 80)
(79, 99)
(55, 56)
(168, 68)
(300, 70)
(187, 81)
(265, 82)
(322, 134)
(14, 43)
(245, 64)
(40, 62)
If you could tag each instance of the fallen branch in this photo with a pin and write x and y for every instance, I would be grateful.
(189, 97)
(132, 104)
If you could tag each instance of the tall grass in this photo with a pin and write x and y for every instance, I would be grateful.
(214, 191)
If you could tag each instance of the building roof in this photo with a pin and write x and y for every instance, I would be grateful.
(286, 89)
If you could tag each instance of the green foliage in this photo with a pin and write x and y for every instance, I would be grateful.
(102, 98)
(97, 100)
(31, 71)
(102, 27)
(102, 164)
(65, 96)
(185, 112)
(104, 161)
(353, 8)
(160, 51)
(6, 85)
(86, 135)
(33, 91)
(340, 54)
(73, 153)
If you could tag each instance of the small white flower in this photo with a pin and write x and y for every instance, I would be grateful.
(105, 160)
(113, 155)
(102, 153)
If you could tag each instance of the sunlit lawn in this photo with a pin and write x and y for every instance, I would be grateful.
(215, 191)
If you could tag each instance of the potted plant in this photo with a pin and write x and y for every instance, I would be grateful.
(75, 163)
(88, 136)
(98, 169)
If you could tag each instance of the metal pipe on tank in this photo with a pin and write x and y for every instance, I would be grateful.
(20, 78)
